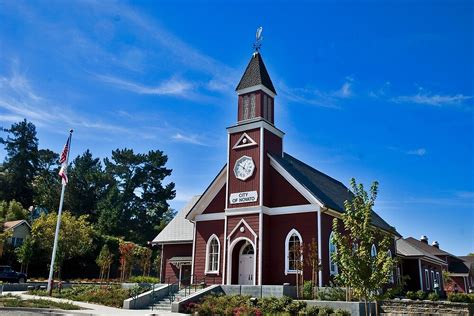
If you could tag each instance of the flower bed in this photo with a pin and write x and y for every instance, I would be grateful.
(245, 305)
(109, 295)
(16, 301)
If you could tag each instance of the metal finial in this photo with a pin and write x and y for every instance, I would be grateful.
(258, 39)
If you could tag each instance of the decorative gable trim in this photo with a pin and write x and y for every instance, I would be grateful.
(210, 194)
(291, 180)
(244, 141)
(242, 221)
(256, 88)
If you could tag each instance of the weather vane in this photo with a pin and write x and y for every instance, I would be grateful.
(258, 39)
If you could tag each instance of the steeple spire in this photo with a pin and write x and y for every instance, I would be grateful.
(256, 74)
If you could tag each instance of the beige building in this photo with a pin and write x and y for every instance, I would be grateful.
(20, 231)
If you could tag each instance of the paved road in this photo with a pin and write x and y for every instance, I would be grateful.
(91, 309)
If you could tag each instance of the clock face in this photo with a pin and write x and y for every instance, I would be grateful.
(244, 168)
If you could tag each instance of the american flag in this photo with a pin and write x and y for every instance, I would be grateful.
(63, 162)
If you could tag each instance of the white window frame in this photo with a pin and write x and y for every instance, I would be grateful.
(208, 245)
(287, 250)
(433, 279)
(427, 279)
(336, 268)
(438, 279)
(373, 251)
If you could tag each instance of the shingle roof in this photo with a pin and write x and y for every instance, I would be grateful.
(408, 249)
(330, 192)
(255, 74)
(179, 229)
(431, 249)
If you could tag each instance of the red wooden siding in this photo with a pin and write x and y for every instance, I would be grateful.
(252, 183)
(275, 230)
(204, 230)
(218, 204)
(170, 273)
(278, 192)
(431, 267)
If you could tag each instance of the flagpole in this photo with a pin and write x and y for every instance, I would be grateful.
(58, 225)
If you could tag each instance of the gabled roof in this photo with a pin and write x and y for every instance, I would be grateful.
(431, 249)
(330, 192)
(256, 74)
(179, 230)
(406, 248)
(12, 224)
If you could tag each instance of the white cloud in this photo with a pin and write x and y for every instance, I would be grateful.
(190, 139)
(346, 90)
(172, 86)
(417, 152)
(429, 98)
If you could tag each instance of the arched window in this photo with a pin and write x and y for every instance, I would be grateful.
(248, 250)
(373, 251)
(332, 250)
(212, 255)
(293, 252)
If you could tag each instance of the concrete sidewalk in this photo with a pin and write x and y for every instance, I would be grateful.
(95, 309)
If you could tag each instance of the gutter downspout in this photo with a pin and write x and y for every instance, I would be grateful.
(421, 274)
(320, 272)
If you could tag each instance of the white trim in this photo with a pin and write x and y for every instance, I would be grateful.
(227, 173)
(261, 167)
(194, 250)
(427, 276)
(336, 271)
(291, 180)
(294, 209)
(209, 217)
(242, 221)
(161, 263)
(209, 195)
(287, 250)
(260, 247)
(225, 248)
(432, 274)
(255, 124)
(320, 252)
(229, 258)
(242, 210)
(206, 269)
(251, 142)
(256, 88)
(459, 274)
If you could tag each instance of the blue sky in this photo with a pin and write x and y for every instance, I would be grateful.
(372, 90)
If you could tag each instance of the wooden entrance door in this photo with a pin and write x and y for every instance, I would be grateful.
(246, 265)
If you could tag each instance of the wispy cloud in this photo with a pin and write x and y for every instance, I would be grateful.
(346, 89)
(434, 99)
(174, 87)
(190, 139)
(417, 152)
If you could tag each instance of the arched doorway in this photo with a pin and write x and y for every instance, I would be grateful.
(246, 262)
(241, 264)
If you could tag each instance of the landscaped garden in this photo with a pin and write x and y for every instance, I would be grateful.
(15, 301)
(109, 295)
(246, 305)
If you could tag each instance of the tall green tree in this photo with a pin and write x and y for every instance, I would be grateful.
(21, 161)
(75, 236)
(137, 198)
(47, 184)
(24, 253)
(359, 270)
(87, 185)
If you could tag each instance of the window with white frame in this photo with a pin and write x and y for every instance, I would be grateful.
(373, 251)
(293, 251)
(212, 254)
(433, 279)
(438, 279)
(427, 279)
(332, 250)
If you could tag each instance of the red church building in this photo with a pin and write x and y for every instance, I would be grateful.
(260, 205)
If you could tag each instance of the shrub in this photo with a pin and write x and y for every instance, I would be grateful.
(331, 294)
(324, 311)
(308, 290)
(433, 296)
(144, 279)
(411, 295)
(461, 298)
(340, 312)
(311, 311)
(294, 307)
(421, 295)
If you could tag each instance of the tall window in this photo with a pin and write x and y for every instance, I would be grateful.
(212, 255)
(269, 109)
(265, 106)
(252, 105)
(246, 108)
(433, 280)
(427, 279)
(392, 279)
(332, 251)
(293, 251)
(373, 251)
